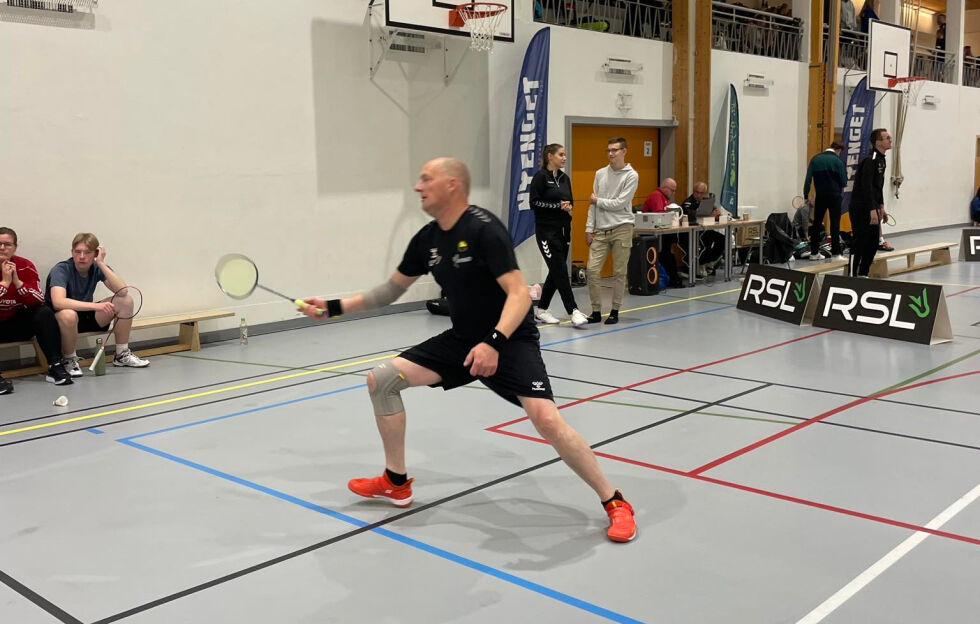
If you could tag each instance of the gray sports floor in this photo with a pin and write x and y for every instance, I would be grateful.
(211, 487)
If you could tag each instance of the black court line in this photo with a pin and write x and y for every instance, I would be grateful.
(39, 600)
(771, 383)
(866, 429)
(771, 413)
(182, 390)
(399, 516)
(100, 423)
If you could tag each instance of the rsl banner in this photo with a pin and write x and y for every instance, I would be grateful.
(886, 308)
(530, 132)
(729, 186)
(778, 293)
(858, 122)
(970, 245)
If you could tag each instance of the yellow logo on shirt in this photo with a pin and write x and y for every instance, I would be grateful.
(462, 246)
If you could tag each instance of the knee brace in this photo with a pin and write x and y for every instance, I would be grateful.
(388, 384)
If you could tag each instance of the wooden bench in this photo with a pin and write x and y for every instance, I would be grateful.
(188, 338)
(938, 254)
(827, 266)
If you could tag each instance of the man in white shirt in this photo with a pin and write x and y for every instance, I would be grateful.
(610, 226)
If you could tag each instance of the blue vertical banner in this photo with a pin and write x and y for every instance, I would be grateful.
(729, 184)
(530, 133)
(858, 122)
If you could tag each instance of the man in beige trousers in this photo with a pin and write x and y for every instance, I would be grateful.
(610, 226)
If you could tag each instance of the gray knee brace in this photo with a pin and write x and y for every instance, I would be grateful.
(388, 384)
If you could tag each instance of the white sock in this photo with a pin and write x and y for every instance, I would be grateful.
(72, 355)
(122, 347)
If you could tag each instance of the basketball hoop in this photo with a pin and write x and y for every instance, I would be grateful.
(910, 86)
(482, 19)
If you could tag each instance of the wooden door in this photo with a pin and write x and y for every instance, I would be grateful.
(587, 153)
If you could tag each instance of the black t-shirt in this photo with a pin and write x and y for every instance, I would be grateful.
(466, 262)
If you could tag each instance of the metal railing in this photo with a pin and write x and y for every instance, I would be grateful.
(935, 65)
(647, 19)
(971, 71)
(852, 49)
(738, 29)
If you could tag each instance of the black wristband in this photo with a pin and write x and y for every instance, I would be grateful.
(496, 339)
(333, 308)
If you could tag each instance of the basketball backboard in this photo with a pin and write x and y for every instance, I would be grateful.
(433, 16)
(889, 47)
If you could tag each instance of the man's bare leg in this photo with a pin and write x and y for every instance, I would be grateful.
(569, 443)
(392, 426)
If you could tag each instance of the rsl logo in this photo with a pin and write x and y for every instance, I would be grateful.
(775, 292)
(875, 308)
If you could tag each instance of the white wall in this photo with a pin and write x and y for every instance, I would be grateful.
(183, 130)
(772, 128)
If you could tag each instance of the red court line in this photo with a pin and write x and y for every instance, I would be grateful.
(819, 417)
(496, 428)
(963, 291)
(770, 494)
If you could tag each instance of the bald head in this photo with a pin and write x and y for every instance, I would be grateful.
(668, 186)
(454, 168)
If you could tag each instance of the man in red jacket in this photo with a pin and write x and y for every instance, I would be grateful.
(23, 314)
(661, 196)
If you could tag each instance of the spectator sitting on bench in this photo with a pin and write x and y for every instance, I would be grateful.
(70, 291)
(22, 312)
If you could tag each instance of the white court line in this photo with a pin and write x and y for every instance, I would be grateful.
(846, 592)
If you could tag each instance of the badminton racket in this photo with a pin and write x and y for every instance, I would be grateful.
(126, 303)
(798, 202)
(238, 277)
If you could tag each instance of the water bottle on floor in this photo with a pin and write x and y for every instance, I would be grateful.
(100, 365)
(243, 332)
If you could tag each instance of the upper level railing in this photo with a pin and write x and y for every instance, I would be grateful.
(852, 50)
(935, 65)
(748, 31)
(648, 19)
(971, 71)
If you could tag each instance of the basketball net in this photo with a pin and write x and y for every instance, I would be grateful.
(482, 19)
(910, 87)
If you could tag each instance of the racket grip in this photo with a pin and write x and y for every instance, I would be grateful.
(95, 360)
(302, 304)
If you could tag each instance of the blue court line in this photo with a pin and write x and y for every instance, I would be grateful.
(634, 326)
(242, 412)
(408, 541)
(95, 431)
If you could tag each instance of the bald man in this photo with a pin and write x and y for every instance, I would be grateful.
(661, 196)
(493, 338)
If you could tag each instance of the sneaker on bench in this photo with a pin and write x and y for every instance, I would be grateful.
(130, 359)
(382, 487)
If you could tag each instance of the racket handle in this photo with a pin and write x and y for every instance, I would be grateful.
(95, 360)
(302, 304)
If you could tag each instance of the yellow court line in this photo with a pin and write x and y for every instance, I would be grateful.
(196, 395)
(132, 408)
(657, 305)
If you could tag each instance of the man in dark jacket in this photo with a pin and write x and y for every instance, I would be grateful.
(829, 178)
(868, 203)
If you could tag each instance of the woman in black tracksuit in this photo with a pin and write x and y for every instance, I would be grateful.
(551, 199)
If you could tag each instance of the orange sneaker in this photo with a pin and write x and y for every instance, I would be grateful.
(622, 528)
(382, 487)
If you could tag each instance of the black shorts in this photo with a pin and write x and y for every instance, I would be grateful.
(87, 322)
(520, 369)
